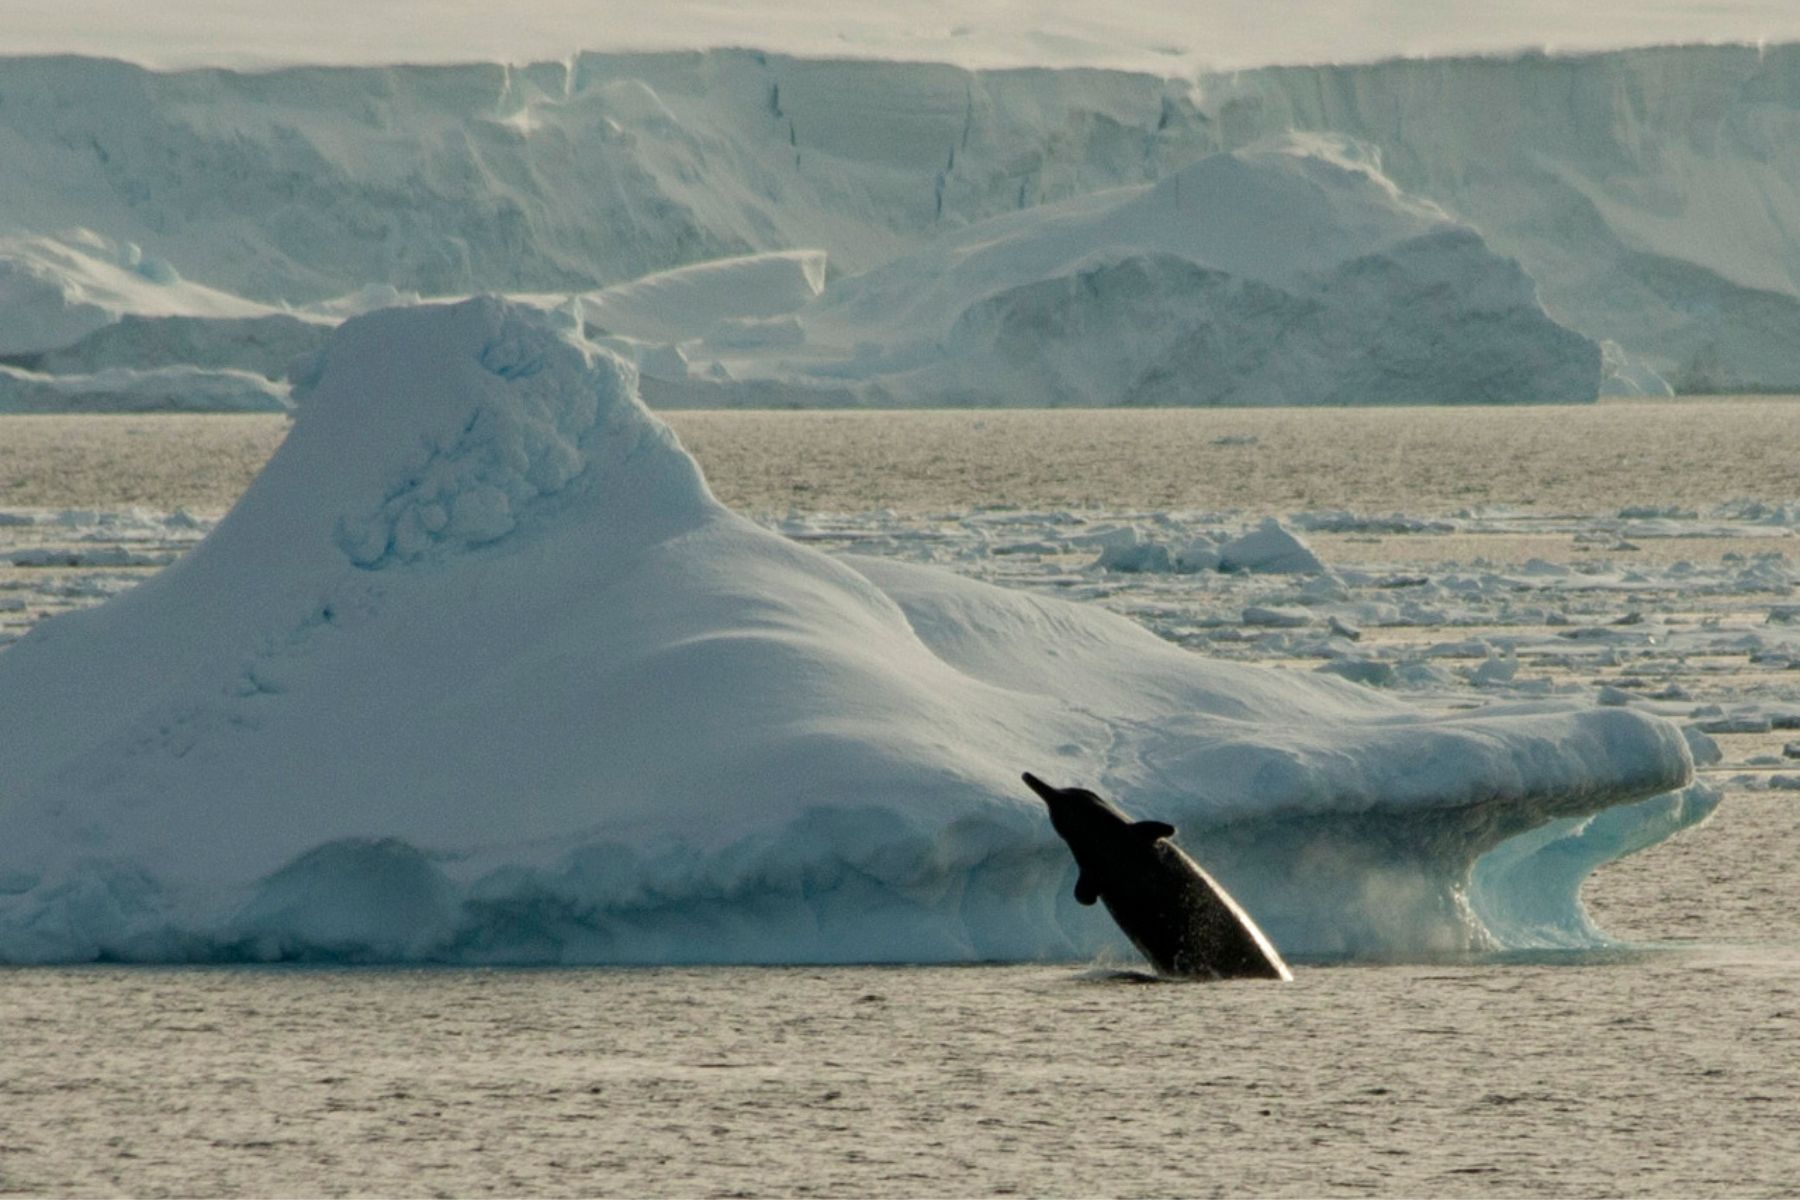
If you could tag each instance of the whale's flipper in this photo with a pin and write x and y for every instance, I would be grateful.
(1086, 891)
(1150, 831)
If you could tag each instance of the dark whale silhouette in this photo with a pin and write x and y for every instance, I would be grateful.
(1183, 921)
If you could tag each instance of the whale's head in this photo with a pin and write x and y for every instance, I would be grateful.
(1077, 814)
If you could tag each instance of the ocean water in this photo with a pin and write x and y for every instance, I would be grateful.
(1661, 1072)
(1667, 1065)
(1591, 458)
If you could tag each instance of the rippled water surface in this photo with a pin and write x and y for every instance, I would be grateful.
(1668, 1067)
(1417, 460)
(1669, 1073)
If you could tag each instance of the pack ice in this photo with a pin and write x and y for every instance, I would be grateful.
(479, 670)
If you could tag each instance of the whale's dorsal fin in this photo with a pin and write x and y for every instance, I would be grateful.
(1151, 831)
(1085, 890)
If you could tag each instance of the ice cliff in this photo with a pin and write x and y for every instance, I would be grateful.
(1650, 194)
(478, 670)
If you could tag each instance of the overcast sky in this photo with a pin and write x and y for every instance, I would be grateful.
(1174, 37)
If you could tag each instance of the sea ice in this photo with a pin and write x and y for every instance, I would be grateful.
(1277, 616)
(478, 670)
(1272, 549)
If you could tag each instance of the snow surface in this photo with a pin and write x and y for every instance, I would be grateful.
(478, 670)
(1141, 35)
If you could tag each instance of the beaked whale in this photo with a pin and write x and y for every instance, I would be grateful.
(1174, 912)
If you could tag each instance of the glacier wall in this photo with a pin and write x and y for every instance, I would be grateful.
(1650, 193)
(1653, 194)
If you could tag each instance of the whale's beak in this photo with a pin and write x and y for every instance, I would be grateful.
(1044, 790)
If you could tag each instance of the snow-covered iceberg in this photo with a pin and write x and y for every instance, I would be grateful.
(1287, 275)
(157, 389)
(266, 345)
(56, 290)
(479, 670)
(688, 302)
